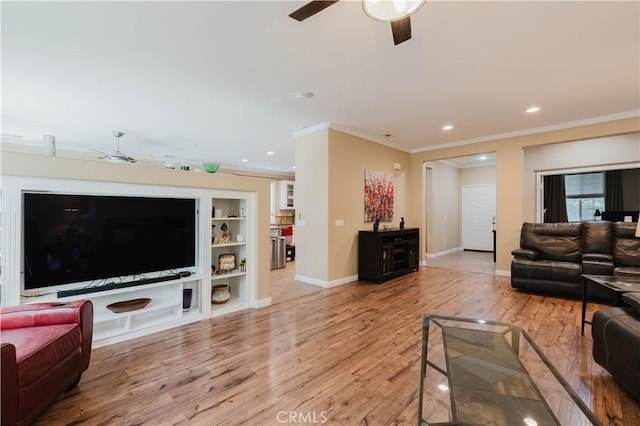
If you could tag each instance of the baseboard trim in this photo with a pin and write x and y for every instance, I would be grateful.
(501, 273)
(326, 284)
(443, 253)
(261, 303)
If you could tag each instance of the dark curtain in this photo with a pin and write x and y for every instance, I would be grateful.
(613, 191)
(555, 199)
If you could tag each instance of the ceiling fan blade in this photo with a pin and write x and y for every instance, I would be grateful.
(311, 9)
(401, 30)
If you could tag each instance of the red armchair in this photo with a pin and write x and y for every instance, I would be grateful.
(45, 348)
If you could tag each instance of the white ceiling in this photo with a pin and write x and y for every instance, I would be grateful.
(214, 81)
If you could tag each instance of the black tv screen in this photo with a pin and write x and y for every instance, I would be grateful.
(75, 238)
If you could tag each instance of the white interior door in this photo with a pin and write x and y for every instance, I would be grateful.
(478, 217)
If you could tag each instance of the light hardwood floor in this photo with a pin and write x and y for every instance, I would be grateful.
(469, 261)
(348, 355)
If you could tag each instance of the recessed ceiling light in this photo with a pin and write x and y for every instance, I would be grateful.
(244, 160)
(533, 109)
(270, 153)
(447, 127)
(303, 95)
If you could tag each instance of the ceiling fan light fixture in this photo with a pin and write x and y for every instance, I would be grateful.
(117, 159)
(391, 10)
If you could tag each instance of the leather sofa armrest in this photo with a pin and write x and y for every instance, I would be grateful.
(41, 314)
(598, 257)
(51, 313)
(9, 386)
(527, 254)
(624, 271)
(85, 316)
(632, 299)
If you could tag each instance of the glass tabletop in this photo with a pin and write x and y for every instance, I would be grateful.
(616, 283)
(477, 372)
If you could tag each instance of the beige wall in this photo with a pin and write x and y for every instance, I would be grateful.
(349, 157)
(20, 164)
(443, 229)
(510, 175)
(478, 176)
(330, 167)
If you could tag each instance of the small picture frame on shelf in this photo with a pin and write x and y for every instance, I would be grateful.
(226, 262)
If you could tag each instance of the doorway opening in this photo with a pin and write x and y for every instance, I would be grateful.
(459, 209)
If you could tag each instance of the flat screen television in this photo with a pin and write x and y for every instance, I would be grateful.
(80, 238)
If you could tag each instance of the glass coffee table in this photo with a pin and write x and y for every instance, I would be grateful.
(618, 285)
(476, 372)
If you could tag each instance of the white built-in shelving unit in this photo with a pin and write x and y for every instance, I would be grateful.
(232, 212)
(166, 307)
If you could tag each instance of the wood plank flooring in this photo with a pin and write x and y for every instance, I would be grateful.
(465, 260)
(348, 355)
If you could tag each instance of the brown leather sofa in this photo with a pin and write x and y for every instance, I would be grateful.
(45, 349)
(616, 343)
(553, 256)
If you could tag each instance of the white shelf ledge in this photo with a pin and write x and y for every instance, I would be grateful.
(233, 304)
(154, 305)
(235, 273)
(244, 243)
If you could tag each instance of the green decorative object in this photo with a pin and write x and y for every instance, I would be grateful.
(211, 167)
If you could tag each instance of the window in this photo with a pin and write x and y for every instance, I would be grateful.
(585, 194)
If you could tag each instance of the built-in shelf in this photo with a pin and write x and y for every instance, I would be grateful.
(166, 307)
(229, 244)
(227, 275)
(241, 283)
(234, 303)
(154, 305)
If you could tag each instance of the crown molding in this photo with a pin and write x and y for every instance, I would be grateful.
(534, 130)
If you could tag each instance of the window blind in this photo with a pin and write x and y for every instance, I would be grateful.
(584, 185)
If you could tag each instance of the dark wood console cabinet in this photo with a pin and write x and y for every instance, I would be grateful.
(385, 254)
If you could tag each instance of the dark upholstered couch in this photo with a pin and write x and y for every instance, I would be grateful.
(553, 256)
(616, 343)
(45, 348)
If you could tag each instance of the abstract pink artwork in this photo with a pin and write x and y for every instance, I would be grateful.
(378, 196)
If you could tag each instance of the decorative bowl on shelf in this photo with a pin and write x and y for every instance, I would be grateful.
(128, 305)
(220, 294)
(211, 167)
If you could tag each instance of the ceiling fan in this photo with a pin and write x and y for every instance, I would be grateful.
(118, 157)
(397, 12)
